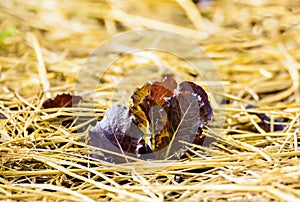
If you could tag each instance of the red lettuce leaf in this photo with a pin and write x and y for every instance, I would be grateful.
(265, 123)
(145, 98)
(188, 112)
(116, 132)
(62, 100)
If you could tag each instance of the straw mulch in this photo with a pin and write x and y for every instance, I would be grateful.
(44, 44)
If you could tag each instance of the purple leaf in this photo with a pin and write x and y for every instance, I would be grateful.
(116, 132)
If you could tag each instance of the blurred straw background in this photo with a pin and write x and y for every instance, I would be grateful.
(255, 46)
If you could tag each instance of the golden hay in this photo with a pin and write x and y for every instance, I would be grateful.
(44, 44)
